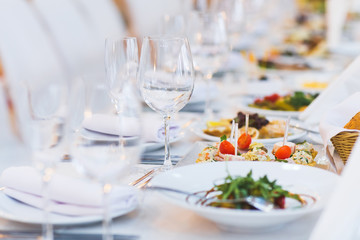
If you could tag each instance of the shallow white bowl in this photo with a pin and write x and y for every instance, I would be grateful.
(298, 178)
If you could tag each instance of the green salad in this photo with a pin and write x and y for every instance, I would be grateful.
(240, 187)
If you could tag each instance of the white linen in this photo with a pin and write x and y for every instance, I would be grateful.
(342, 87)
(201, 90)
(68, 195)
(335, 119)
(340, 218)
(152, 127)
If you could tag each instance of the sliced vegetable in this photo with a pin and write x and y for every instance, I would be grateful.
(226, 147)
(283, 152)
(244, 141)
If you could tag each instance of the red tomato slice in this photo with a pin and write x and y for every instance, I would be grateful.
(226, 147)
(283, 152)
(244, 141)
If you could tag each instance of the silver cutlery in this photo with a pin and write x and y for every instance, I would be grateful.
(257, 202)
(304, 129)
(21, 234)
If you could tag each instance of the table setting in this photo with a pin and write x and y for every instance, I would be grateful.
(192, 136)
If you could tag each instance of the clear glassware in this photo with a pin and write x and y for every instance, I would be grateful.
(166, 79)
(173, 25)
(45, 133)
(209, 46)
(105, 158)
(121, 65)
(234, 11)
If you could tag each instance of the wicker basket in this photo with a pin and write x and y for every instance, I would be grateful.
(344, 142)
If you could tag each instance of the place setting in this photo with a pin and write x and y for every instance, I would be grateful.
(231, 119)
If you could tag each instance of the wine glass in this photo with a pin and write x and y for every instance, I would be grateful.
(166, 79)
(209, 45)
(105, 158)
(234, 11)
(174, 25)
(45, 133)
(121, 64)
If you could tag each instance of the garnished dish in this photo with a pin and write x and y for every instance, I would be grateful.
(302, 180)
(301, 153)
(262, 129)
(297, 101)
(259, 126)
(233, 190)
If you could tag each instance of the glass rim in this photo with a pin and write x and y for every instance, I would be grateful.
(166, 37)
(119, 38)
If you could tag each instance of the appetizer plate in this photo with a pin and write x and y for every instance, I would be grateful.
(14, 210)
(198, 127)
(300, 179)
(243, 104)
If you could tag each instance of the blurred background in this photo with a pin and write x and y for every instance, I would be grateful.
(44, 39)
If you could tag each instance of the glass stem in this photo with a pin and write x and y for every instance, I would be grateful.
(47, 228)
(208, 112)
(167, 160)
(107, 219)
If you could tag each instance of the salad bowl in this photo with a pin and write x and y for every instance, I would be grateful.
(304, 180)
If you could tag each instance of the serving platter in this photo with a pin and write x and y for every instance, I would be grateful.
(198, 128)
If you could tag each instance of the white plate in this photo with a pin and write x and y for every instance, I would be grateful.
(148, 146)
(243, 104)
(198, 128)
(316, 182)
(19, 212)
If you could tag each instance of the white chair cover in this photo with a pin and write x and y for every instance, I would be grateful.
(27, 55)
(72, 34)
(103, 16)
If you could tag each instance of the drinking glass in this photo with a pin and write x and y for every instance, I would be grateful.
(121, 64)
(209, 46)
(166, 79)
(105, 158)
(45, 132)
(173, 25)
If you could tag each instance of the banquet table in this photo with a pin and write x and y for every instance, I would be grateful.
(156, 218)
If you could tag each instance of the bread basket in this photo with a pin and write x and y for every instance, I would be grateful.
(344, 142)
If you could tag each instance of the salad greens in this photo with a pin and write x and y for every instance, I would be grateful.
(239, 187)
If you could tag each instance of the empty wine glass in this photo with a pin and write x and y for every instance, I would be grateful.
(121, 64)
(208, 39)
(166, 79)
(45, 132)
(173, 25)
(105, 158)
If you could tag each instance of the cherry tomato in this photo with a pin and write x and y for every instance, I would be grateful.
(272, 98)
(226, 147)
(244, 141)
(283, 152)
(258, 101)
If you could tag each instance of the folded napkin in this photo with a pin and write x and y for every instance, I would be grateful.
(68, 195)
(152, 127)
(340, 217)
(335, 119)
(342, 87)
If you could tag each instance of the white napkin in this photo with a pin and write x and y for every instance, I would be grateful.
(69, 196)
(340, 218)
(152, 127)
(335, 119)
(342, 87)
